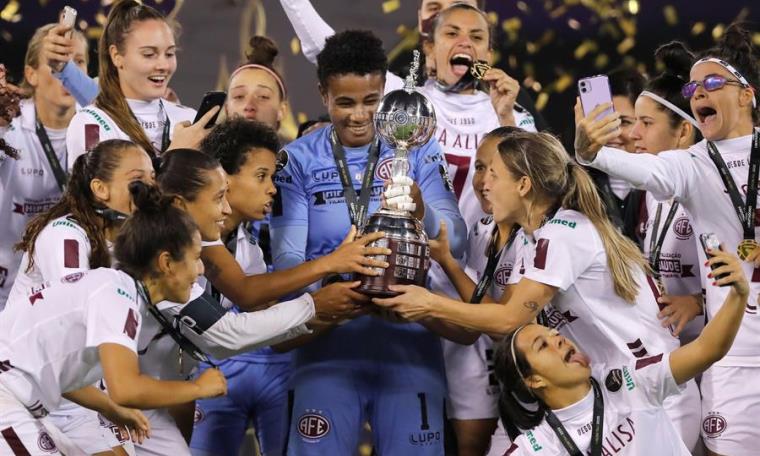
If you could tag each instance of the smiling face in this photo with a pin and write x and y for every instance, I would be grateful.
(460, 38)
(653, 133)
(504, 192)
(182, 274)
(147, 61)
(351, 101)
(252, 189)
(555, 361)
(485, 153)
(210, 208)
(723, 113)
(255, 95)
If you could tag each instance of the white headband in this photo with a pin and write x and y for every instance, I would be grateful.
(730, 68)
(512, 352)
(670, 106)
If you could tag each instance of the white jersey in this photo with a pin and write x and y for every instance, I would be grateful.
(478, 242)
(567, 253)
(691, 177)
(27, 187)
(152, 116)
(61, 248)
(101, 306)
(635, 422)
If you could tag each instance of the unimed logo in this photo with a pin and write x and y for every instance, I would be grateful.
(312, 426)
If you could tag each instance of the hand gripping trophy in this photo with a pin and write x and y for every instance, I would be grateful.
(404, 119)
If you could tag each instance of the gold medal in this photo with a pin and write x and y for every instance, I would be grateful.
(746, 247)
(478, 69)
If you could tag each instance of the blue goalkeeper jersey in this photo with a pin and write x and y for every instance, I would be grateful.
(310, 219)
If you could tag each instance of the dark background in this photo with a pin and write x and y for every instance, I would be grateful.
(546, 44)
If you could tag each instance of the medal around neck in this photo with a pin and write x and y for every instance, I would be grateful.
(405, 119)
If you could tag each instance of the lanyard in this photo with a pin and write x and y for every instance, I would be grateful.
(597, 425)
(184, 343)
(165, 139)
(655, 242)
(357, 206)
(744, 211)
(493, 254)
(47, 147)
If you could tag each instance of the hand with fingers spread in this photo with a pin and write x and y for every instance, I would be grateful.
(189, 136)
(339, 301)
(356, 255)
(440, 250)
(679, 310)
(591, 133)
(57, 47)
(412, 304)
(732, 267)
(132, 419)
(503, 92)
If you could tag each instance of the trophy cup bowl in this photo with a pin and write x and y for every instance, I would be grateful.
(404, 119)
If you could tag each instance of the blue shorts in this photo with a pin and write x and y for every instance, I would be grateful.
(331, 402)
(256, 392)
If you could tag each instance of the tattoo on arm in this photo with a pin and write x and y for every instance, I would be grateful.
(212, 271)
(531, 305)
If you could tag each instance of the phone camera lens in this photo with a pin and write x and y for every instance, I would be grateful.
(583, 90)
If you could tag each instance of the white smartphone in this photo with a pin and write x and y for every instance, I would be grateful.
(67, 18)
(594, 91)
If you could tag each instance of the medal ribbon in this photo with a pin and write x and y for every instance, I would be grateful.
(357, 206)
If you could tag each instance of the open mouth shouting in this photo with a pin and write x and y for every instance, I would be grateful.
(460, 64)
(574, 356)
(706, 115)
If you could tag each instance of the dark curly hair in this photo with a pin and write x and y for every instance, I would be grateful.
(736, 48)
(353, 51)
(230, 141)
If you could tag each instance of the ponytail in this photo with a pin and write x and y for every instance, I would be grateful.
(110, 98)
(541, 157)
(79, 201)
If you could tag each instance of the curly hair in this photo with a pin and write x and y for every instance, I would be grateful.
(230, 141)
(353, 51)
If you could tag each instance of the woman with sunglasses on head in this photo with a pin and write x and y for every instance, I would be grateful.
(85, 327)
(137, 55)
(567, 404)
(590, 281)
(723, 101)
(34, 179)
(75, 235)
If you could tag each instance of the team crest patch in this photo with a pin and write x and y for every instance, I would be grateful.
(384, 169)
(197, 415)
(614, 380)
(682, 228)
(501, 276)
(72, 278)
(312, 426)
(45, 442)
(713, 425)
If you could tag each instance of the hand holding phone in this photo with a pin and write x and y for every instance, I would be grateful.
(594, 91)
(210, 99)
(710, 241)
(67, 19)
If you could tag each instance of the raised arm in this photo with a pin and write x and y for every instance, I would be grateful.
(717, 337)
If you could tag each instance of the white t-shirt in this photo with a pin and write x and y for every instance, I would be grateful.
(567, 253)
(151, 114)
(53, 348)
(691, 177)
(478, 241)
(635, 422)
(27, 187)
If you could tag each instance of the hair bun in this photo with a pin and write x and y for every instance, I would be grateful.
(263, 51)
(676, 58)
(147, 198)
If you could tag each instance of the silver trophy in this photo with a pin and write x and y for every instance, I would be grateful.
(404, 119)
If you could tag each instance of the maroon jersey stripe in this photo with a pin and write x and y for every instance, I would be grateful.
(642, 363)
(70, 253)
(539, 262)
(13, 441)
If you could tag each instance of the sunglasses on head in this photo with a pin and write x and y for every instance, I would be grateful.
(710, 83)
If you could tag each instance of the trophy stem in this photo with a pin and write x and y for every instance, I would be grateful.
(400, 164)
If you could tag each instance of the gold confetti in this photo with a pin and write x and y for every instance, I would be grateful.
(698, 28)
(83, 25)
(493, 17)
(633, 6)
(9, 11)
(573, 24)
(522, 6)
(628, 26)
(542, 100)
(671, 15)
(626, 45)
(295, 46)
(717, 31)
(532, 48)
(584, 48)
(302, 117)
(511, 25)
(601, 61)
(390, 6)
(564, 82)
(756, 39)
